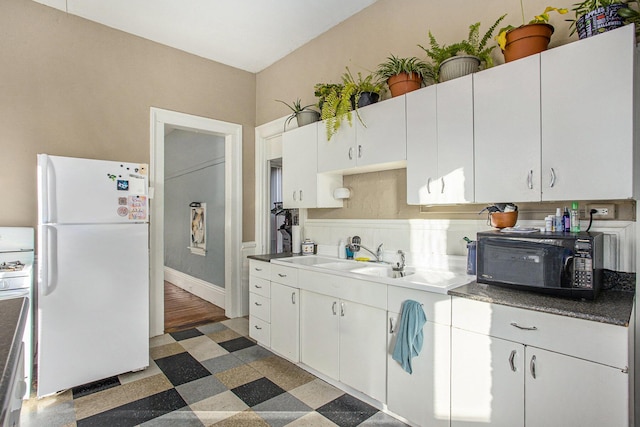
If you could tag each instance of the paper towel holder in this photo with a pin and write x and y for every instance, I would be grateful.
(341, 193)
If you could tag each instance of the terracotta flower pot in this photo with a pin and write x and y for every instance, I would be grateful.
(527, 40)
(403, 83)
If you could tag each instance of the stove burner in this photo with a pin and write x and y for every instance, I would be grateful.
(11, 266)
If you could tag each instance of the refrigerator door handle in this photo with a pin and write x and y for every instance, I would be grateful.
(48, 274)
(43, 162)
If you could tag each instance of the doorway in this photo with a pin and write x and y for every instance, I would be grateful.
(232, 134)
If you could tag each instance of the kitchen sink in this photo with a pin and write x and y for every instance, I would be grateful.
(380, 271)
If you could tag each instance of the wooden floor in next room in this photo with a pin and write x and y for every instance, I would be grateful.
(183, 310)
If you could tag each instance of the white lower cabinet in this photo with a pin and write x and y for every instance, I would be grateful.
(285, 324)
(499, 378)
(345, 341)
(259, 302)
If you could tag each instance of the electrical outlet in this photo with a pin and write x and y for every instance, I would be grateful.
(604, 211)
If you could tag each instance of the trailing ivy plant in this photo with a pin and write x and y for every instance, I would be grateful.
(335, 102)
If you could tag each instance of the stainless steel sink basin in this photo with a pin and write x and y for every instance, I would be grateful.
(381, 271)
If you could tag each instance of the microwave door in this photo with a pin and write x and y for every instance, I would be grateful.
(522, 263)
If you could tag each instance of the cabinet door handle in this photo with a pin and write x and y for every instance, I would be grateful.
(342, 309)
(530, 179)
(300, 195)
(257, 327)
(442, 190)
(429, 185)
(333, 308)
(258, 304)
(284, 275)
(524, 328)
(257, 286)
(553, 178)
(294, 196)
(359, 151)
(293, 298)
(532, 366)
(350, 153)
(512, 356)
(392, 327)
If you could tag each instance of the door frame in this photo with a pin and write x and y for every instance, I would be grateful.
(233, 209)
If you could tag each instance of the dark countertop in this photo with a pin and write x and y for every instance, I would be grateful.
(13, 317)
(269, 257)
(611, 306)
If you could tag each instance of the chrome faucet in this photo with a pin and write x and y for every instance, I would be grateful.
(355, 245)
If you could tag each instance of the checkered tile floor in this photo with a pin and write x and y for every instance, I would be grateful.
(210, 375)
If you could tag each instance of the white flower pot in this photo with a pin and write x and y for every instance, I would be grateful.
(458, 66)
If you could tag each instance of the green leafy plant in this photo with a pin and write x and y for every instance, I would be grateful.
(473, 45)
(543, 18)
(394, 66)
(631, 14)
(296, 108)
(335, 102)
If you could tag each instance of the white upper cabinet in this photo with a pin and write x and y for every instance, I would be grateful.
(587, 118)
(507, 132)
(377, 145)
(302, 186)
(440, 143)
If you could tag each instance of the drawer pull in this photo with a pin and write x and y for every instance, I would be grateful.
(257, 327)
(258, 304)
(532, 366)
(524, 328)
(257, 269)
(282, 275)
(258, 286)
(512, 356)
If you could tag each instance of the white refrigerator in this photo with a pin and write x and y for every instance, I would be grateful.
(93, 271)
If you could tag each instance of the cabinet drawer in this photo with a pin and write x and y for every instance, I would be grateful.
(361, 291)
(260, 286)
(285, 275)
(436, 307)
(259, 269)
(260, 331)
(595, 341)
(260, 307)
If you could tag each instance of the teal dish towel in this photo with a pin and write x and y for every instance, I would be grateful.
(410, 337)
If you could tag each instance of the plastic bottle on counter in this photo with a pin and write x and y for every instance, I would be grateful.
(558, 220)
(342, 250)
(566, 220)
(575, 218)
(548, 223)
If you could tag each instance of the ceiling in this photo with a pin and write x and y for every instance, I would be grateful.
(246, 34)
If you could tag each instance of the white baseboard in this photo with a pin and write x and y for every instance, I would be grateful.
(203, 289)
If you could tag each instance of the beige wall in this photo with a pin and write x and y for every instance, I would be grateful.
(71, 87)
(367, 39)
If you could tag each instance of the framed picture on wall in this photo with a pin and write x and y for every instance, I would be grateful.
(198, 228)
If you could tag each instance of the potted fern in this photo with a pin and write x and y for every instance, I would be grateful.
(366, 89)
(529, 38)
(303, 115)
(593, 17)
(405, 74)
(461, 58)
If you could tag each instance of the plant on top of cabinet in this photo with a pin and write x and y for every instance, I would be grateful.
(336, 101)
(405, 74)
(304, 115)
(462, 58)
(631, 15)
(596, 16)
(529, 38)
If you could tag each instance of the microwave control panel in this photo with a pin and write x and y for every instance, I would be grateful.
(582, 265)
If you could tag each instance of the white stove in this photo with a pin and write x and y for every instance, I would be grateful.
(16, 281)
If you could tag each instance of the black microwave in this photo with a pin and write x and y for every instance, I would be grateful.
(558, 263)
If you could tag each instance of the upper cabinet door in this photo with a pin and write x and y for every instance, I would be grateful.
(422, 147)
(339, 153)
(587, 118)
(383, 137)
(299, 167)
(455, 140)
(507, 132)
